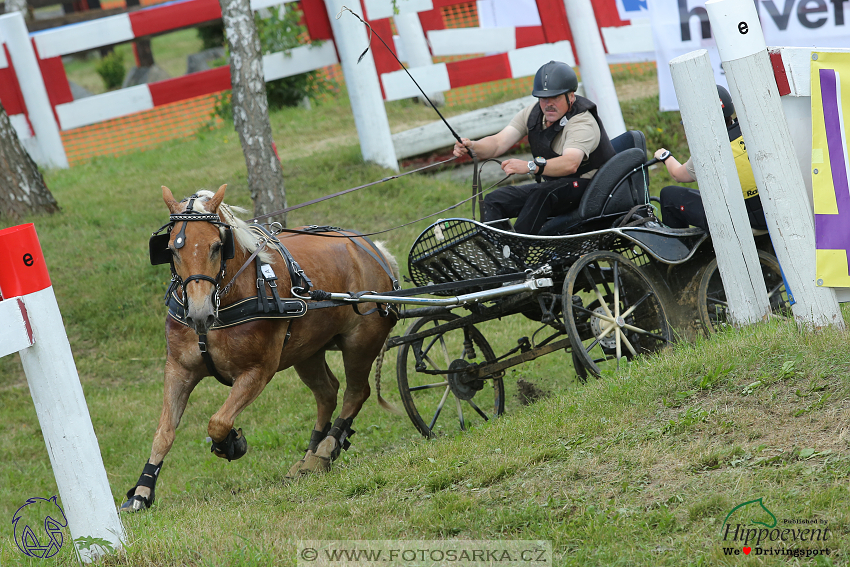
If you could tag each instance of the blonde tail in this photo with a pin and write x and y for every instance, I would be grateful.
(379, 363)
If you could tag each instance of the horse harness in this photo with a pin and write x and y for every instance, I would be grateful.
(260, 306)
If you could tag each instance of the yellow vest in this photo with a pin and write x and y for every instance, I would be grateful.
(745, 171)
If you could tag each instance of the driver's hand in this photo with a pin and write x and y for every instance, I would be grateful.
(515, 166)
(461, 150)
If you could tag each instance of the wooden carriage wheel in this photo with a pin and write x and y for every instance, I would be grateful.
(612, 311)
(434, 397)
(711, 298)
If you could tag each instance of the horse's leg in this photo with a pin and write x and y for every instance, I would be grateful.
(229, 443)
(317, 375)
(179, 383)
(359, 350)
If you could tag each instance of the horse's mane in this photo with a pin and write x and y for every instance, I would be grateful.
(244, 237)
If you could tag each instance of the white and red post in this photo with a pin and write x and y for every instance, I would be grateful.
(30, 323)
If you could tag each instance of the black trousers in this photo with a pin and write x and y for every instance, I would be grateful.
(533, 204)
(682, 207)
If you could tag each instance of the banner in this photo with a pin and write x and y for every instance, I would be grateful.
(830, 167)
(682, 26)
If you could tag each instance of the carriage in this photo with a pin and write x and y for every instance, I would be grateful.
(605, 282)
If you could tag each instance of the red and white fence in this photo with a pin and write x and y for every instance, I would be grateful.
(36, 94)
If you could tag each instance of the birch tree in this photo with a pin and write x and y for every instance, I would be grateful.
(16, 6)
(22, 188)
(251, 108)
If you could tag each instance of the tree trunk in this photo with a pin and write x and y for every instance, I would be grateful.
(251, 108)
(22, 188)
(16, 6)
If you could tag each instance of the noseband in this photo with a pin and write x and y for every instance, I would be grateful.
(160, 255)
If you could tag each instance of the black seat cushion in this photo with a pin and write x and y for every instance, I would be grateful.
(629, 140)
(597, 194)
(604, 196)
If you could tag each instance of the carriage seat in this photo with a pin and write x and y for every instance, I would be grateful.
(604, 197)
(628, 140)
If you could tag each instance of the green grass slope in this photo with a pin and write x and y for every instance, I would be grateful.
(638, 468)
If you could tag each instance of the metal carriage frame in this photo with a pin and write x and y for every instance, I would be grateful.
(603, 296)
(605, 289)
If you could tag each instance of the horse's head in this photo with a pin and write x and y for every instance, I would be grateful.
(199, 248)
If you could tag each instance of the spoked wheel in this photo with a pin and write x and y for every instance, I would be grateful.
(612, 311)
(713, 308)
(432, 383)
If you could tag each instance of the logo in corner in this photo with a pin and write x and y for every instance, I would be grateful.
(754, 512)
(38, 527)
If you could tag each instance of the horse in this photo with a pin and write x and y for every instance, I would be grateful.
(205, 243)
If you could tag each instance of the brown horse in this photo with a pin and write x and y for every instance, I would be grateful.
(246, 356)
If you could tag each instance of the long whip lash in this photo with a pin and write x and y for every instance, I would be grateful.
(476, 193)
(365, 51)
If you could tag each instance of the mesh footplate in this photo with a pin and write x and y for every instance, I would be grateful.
(455, 250)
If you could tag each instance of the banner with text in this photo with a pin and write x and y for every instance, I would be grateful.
(682, 26)
(830, 168)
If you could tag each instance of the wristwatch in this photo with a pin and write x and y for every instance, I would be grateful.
(531, 167)
(541, 165)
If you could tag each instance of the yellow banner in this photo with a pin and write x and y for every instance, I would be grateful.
(830, 168)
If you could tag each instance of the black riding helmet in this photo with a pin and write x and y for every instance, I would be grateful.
(553, 79)
(726, 103)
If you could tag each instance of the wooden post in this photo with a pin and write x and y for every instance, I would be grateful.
(30, 311)
(416, 47)
(14, 31)
(595, 73)
(361, 80)
(743, 52)
(720, 187)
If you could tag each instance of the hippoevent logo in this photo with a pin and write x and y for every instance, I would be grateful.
(38, 527)
(751, 528)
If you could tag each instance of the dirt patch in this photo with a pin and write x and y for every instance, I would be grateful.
(637, 89)
(528, 393)
(300, 151)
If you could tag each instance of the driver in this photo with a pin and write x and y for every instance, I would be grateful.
(568, 142)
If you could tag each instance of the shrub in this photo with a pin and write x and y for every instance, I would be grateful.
(111, 70)
(282, 31)
(212, 35)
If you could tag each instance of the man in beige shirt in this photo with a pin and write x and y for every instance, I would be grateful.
(568, 142)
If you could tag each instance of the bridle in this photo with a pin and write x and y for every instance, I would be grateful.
(160, 254)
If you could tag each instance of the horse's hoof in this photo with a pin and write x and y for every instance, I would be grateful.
(320, 461)
(294, 471)
(315, 464)
(234, 446)
(135, 504)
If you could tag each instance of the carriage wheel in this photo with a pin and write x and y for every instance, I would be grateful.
(612, 311)
(436, 399)
(711, 297)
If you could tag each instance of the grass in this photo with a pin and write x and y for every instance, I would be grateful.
(639, 468)
(169, 53)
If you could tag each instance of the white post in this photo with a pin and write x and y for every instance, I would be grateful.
(361, 80)
(595, 73)
(743, 51)
(14, 31)
(56, 392)
(416, 46)
(720, 187)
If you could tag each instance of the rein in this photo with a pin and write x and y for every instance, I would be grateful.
(456, 205)
(340, 193)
